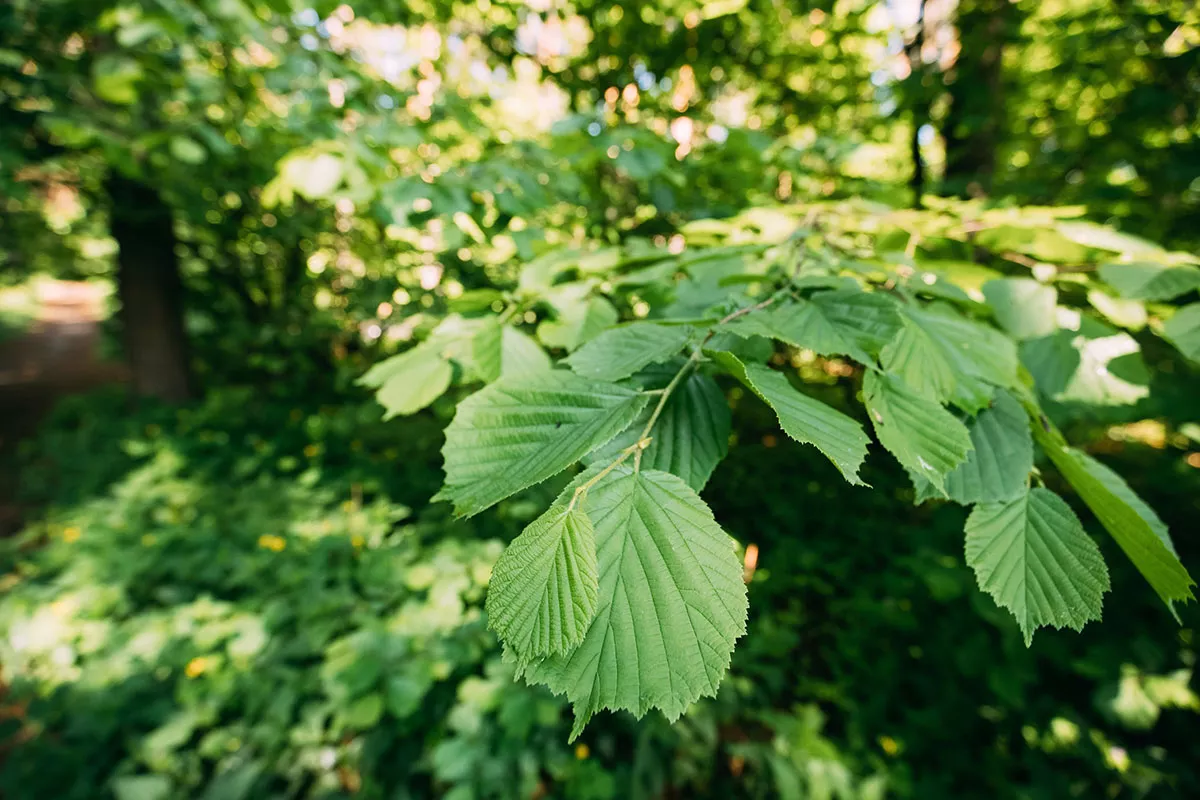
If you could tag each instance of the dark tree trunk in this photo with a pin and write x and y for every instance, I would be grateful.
(920, 109)
(150, 290)
(974, 122)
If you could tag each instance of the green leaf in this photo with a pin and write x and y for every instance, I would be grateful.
(1135, 534)
(845, 322)
(979, 357)
(1023, 307)
(919, 361)
(408, 382)
(1117, 485)
(542, 594)
(1034, 558)
(619, 352)
(519, 431)
(808, 421)
(672, 602)
(926, 439)
(1183, 331)
(1150, 281)
(690, 437)
(501, 350)
(1094, 366)
(1129, 314)
(187, 150)
(577, 322)
(142, 787)
(997, 468)
(1102, 237)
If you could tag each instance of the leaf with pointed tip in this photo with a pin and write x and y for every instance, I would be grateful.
(1183, 331)
(806, 420)
(672, 602)
(520, 431)
(690, 437)
(408, 382)
(543, 590)
(1023, 307)
(1150, 281)
(619, 352)
(846, 322)
(924, 437)
(1033, 557)
(1129, 526)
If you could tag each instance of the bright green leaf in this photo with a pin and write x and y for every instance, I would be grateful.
(542, 594)
(577, 322)
(408, 382)
(1023, 306)
(672, 602)
(924, 437)
(1150, 281)
(1183, 331)
(619, 352)
(1135, 534)
(1033, 557)
(844, 322)
(519, 431)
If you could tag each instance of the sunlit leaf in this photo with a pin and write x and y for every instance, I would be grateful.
(519, 431)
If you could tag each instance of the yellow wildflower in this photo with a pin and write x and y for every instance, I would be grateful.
(196, 667)
(582, 751)
(272, 542)
(71, 534)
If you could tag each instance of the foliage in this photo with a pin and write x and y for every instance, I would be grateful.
(932, 366)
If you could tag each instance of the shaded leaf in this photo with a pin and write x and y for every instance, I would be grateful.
(924, 437)
(808, 421)
(1034, 558)
(1023, 307)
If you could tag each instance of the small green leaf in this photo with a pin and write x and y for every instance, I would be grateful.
(845, 322)
(690, 437)
(519, 431)
(1183, 331)
(924, 437)
(1023, 307)
(619, 352)
(1136, 535)
(1034, 558)
(187, 150)
(1150, 281)
(1129, 314)
(671, 603)
(542, 594)
(408, 382)
(806, 420)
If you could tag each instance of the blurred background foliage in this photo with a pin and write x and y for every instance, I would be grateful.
(227, 581)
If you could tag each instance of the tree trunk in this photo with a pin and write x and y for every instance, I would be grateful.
(150, 290)
(920, 110)
(975, 119)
